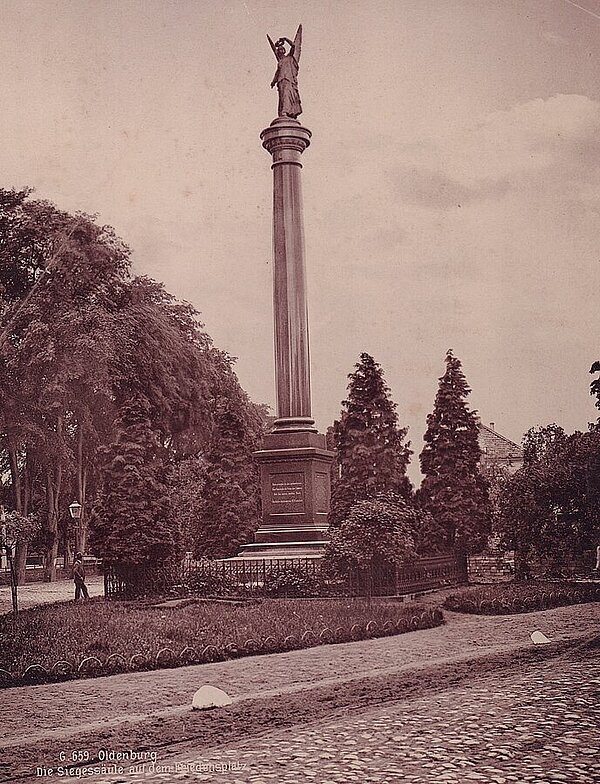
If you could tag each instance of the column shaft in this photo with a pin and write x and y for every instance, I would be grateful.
(292, 356)
(285, 140)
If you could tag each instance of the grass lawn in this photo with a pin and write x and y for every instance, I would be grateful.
(514, 597)
(120, 636)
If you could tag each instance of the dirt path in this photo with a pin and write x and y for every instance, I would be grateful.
(34, 594)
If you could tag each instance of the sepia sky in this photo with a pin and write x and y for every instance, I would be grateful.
(452, 189)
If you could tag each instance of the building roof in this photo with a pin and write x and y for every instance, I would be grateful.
(496, 446)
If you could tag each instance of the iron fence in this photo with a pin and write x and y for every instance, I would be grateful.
(285, 577)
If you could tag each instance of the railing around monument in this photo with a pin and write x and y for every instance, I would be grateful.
(420, 575)
(281, 577)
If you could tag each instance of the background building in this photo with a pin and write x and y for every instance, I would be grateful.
(499, 451)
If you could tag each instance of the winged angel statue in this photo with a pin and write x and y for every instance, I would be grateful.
(286, 76)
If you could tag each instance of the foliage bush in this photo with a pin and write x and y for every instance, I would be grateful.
(98, 637)
(378, 532)
(511, 598)
(293, 583)
(279, 582)
(211, 585)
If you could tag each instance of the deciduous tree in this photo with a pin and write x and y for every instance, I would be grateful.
(549, 510)
(56, 275)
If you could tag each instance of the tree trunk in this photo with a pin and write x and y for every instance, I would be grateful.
(20, 562)
(20, 502)
(15, 474)
(53, 488)
(51, 543)
(53, 484)
(13, 585)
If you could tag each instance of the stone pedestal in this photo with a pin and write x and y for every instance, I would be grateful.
(295, 493)
(294, 461)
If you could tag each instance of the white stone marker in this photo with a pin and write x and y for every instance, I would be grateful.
(537, 638)
(210, 697)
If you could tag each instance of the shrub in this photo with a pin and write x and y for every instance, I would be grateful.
(376, 533)
(207, 584)
(514, 598)
(293, 583)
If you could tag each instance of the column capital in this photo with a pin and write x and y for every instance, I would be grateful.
(285, 135)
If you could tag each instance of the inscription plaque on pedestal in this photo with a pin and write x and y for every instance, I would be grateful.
(287, 493)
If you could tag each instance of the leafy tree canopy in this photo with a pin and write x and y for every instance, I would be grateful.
(377, 532)
(550, 509)
(539, 443)
(595, 385)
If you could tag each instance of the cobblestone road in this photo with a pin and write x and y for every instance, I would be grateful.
(533, 727)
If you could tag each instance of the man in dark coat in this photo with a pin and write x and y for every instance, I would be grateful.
(79, 578)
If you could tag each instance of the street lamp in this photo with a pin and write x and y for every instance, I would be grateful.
(75, 510)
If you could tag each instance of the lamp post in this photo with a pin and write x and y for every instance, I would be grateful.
(75, 510)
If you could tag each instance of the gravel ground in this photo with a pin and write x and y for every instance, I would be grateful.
(33, 594)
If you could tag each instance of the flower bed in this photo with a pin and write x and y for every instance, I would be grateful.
(101, 638)
(521, 597)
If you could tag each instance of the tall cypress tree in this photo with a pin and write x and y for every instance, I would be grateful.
(132, 522)
(371, 454)
(229, 510)
(453, 490)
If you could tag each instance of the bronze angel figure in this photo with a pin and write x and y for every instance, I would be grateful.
(286, 76)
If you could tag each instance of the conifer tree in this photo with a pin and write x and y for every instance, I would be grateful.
(454, 491)
(229, 510)
(371, 454)
(132, 522)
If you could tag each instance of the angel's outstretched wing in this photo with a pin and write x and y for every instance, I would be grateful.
(298, 44)
(272, 45)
